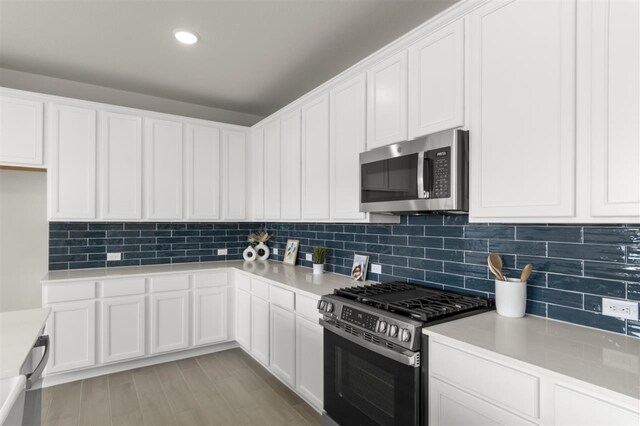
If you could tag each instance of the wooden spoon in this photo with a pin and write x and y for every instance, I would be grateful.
(495, 265)
(526, 271)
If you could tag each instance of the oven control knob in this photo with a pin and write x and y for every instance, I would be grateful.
(381, 326)
(393, 331)
(405, 336)
(321, 305)
(329, 307)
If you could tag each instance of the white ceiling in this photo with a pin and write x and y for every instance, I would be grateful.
(253, 56)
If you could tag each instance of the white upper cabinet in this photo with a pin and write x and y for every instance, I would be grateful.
(522, 133)
(436, 81)
(257, 173)
(120, 158)
(163, 169)
(347, 141)
(615, 109)
(234, 174)
(315, 158)
(202, 170)
(290, 148)
(21, 131)
(272, 170)
(387, 101)
(72, 162)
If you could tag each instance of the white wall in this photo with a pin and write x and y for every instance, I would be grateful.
(89, 92)
(24, 234)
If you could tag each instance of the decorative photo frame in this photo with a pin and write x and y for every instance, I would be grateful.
(291, 252)
(359, 268)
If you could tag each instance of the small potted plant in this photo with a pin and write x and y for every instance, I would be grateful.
(319, 257)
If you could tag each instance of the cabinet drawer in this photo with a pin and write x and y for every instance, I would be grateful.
(70, 292)
(508, 387)
(169, 283)
(260, 289)
(122, 287)
(282, 297)
(308, 307)
(210, 279)
(243, 282)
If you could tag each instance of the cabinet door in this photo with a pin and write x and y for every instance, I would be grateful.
(572, 407)
(121, 165)
(387, 101)
(72, 167)
(169, 321)
(72, 328)
(315, 159)
(210, 315)
(347, 141)
(615, 108)
(202, 169)
(260, 329)
(436, 81)
(290, 168)
(283, 344)
(243, 319)
(123, 328)
(522, 160)
(309, 361)
(234, 174)
(272, 170)
(449, 405)
(257, 174)
(21, 130)
(163, 153)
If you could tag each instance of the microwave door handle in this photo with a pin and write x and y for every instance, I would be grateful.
(421, 173)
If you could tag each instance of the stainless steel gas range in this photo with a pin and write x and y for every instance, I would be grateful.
(374, 350)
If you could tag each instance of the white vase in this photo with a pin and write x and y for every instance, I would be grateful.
(262, 251)
(511, 298)
(249, 254)
(318, 268)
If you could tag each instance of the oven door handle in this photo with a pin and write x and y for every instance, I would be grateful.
(405, 357)
(43, 341)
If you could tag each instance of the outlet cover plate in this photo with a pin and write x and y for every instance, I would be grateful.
(376, 269)
(114, 256)
(222, 252)
(275, 251)
(620, 308)
(308, 257)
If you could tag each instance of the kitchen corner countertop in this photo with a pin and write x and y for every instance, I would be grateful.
(298, 278)
(19, 331)
(608, 360)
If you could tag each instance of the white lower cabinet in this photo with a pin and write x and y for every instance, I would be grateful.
(243, 319)
(169, 321)
(209, 315)
(309, 361)
(283, 344)
(260, 329)
(72, 329)
(573, 407)
(123, 328)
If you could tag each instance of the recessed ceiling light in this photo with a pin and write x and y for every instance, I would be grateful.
(186, 37)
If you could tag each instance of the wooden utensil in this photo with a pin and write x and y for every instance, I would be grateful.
(526, 271)
(495, 266)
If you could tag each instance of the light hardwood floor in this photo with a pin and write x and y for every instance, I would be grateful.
(225, 388)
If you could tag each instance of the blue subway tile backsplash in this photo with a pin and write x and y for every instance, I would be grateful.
(574, 266)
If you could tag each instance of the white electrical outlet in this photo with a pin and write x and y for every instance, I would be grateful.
(275, 251)
(114, 256)
(376, 269)
(620, 308)
(222, 252)
(308, 257)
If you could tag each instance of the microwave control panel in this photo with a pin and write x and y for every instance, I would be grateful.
(439, 169)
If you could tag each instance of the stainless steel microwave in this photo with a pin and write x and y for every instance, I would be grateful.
(429, 174)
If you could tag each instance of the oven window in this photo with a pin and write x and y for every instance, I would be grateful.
(390, 180)
(363, 387)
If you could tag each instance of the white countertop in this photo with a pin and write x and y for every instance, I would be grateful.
(19, 331)
(299, 278)
(608, 360)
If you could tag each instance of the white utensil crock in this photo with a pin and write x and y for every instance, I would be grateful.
(511, 298)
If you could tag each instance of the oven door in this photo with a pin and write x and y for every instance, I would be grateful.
(365, 386)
